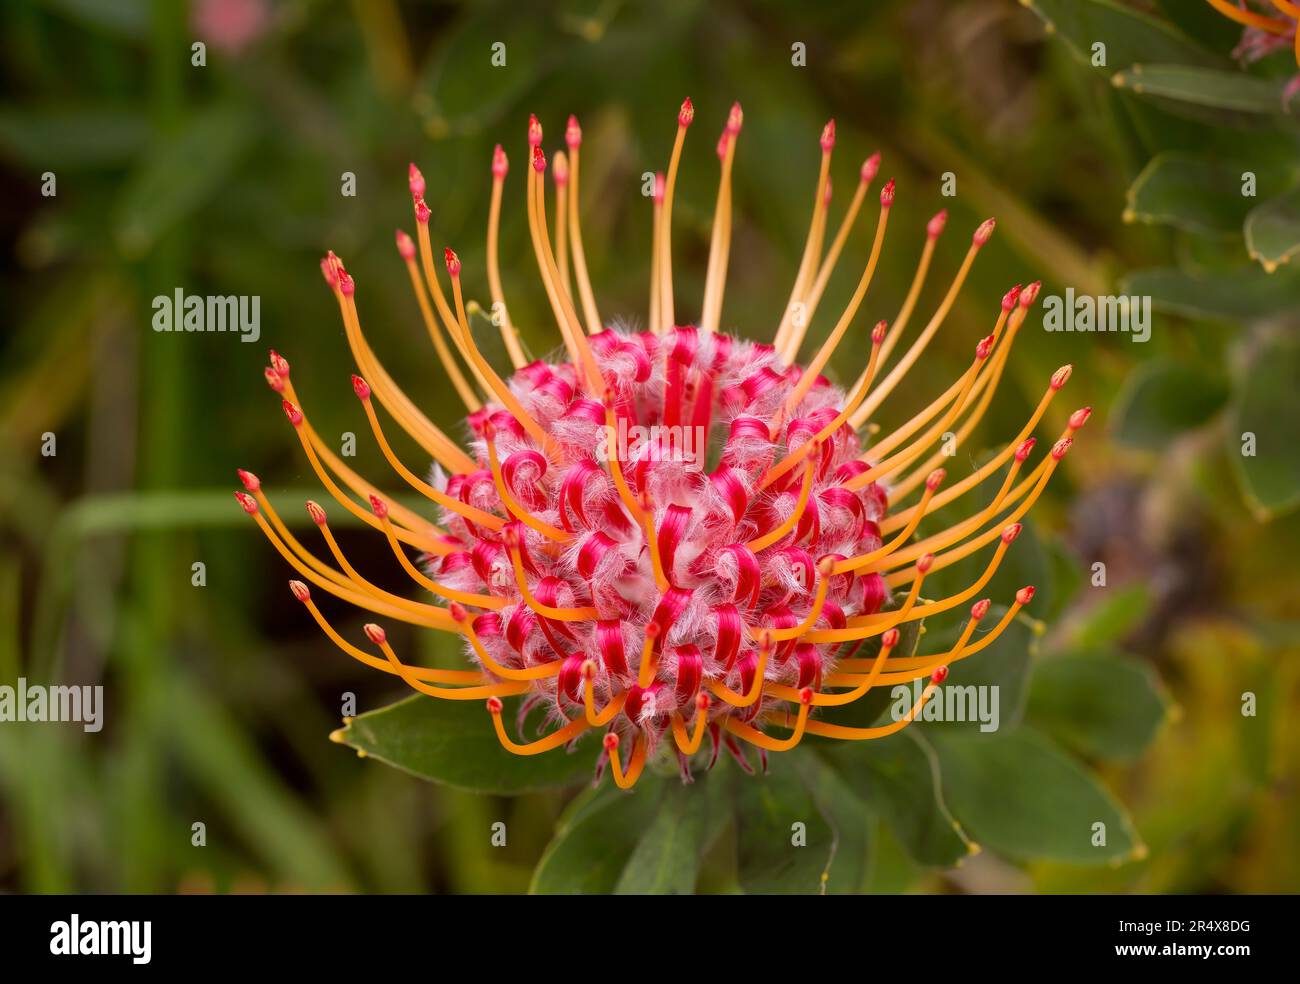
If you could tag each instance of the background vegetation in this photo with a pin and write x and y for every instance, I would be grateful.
(225, 179)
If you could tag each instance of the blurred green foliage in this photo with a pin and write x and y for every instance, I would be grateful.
(226, 179)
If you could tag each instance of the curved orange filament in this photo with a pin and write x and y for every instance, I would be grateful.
(725, 693)
(925, 665)
(540, 672)
(828, 265)
(489, 602)
(662, 580)
(656, 258)
(715, 277)
(579, 254)
(850, 564)
(845, 733)
(1271, 25)
(616, 469)
(756, 737)
(606, 714)
(807, 262)
(649, 664)
(501, 313)
(688, 743)
(626, 780)
(795, 631)
(513, 507)
(554, 740)
(861, 685)
(462, 386)
(546, 611)
(666, 315)
(774, 535)
(560, 174)
(302, 552)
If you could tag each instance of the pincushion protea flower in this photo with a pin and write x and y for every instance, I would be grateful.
(667, 592)
(1264, 32)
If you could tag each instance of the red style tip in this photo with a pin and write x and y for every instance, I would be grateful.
(378, 506)
(489, 430)
(500, 162)
(534, 131)
(292, 412)
(980, 609)
(826, 566)
(934, 228)
(405, 246)
(610, 741)
(347, 286)
(985, 346)
(870, 168)
(890, 639)
(1061, 376)
(702, 702)
(828, 136)
(939, 675)
(361, 388)
(539, 160)
(279, 364)
(1030, 293)
(984, 233)
(1011, 532)
(887, 194)
(273, 379)
(452, 260)
(248, 503)
(652, 630)
(806, 696)
(1080, 417)
(422, 213)
(686, 114)
(251, 482)
(316, 513)
(494, 705)
(1025, 595)
(1062, 447)
(924, 563)
(588, 669)
(416, 181)
(299, 590)
(457, 611)
(573, 132)
(935, 479)
(1010, 297)
(878, 333)
(1022, 452)
(735, 119)
(375, 633)
(511, 537)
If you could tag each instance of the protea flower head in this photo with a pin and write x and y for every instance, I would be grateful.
(1268, 26)
(668, 588)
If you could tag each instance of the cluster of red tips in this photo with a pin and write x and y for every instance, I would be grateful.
(375, 634)
(500, 163)
(1030, 293)
(378, 506)
(1023, 452)
(890, 639)
(1062, 447)
(573, 133)
(452, 260)
(422, 213)
(251, 482)
(416, 182)
(887, 194)
(1025, 595)
(1010, 297)
(1080, 417)
(539, 160)
(735, 119)
(361, 388)
(935, 479)
(980, 609)
(924, 563)
(1011, 532)
(534, 131)
(934, 228)
(984, 233)
(985, 346)
(279, 364)
(939, 675)
(316, 513)
(248, 503)
(300, 591)
(686, 113)
(292, 412)
(828, 136)
(870, 168)
(405, 245)
(878, 332)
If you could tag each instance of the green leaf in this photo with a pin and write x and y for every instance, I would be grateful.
(1273, 231)
(1018, 794)
(595, 838)
(1197, 192)
(1110, 619)
(852, 825)
(898, 777)
(1215, 89)
(773, 855)
(986, 690)
(1240, 295)
(1129, 34)
(666, 860)
(1266, 404)
(1161, 400)
(51, 137)
(1102, 706)
(453, 742)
